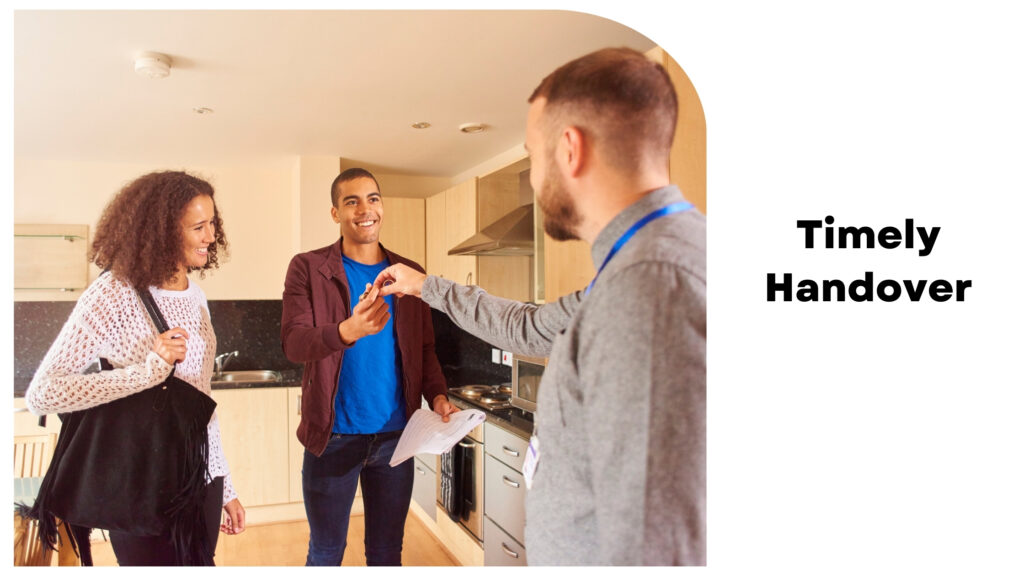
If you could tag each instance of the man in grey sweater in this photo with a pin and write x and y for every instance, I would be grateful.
(620, 427)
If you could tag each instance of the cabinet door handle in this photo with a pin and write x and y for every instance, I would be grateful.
(299, 409)
(509, 483)
(469, 279)
(420, 470)
(510, 451)
(509, 551)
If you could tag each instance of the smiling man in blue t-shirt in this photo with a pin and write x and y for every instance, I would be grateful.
(368, 361)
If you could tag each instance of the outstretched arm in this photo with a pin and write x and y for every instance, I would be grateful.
(521, 327)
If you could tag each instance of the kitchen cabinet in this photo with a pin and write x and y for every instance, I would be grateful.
(500, 549)
(424, 487)
(505, 446)
(568, 267)
(504, 502)
(296, 453)
(499, 193)
(404, 228)
(458, 213)
(505, 497)
(295, 448)
(504, 486)
(450, 219)
(254, 435)
(48, 258)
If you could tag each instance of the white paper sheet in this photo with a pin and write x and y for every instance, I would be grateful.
(427, 434)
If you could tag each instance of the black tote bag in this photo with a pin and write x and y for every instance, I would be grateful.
(137, 464)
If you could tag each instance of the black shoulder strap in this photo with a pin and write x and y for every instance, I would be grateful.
(154, 311)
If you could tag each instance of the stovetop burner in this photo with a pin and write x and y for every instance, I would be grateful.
(473, 391)
(490, 398)
(503, 409)
(495, 398)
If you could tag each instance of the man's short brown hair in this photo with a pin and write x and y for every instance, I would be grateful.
(347, 175)
(619, 97)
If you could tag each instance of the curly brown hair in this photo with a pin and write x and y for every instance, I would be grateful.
(139, 237)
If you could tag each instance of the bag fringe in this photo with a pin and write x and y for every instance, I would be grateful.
(186, 511)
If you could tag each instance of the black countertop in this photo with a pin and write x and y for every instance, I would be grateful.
(289, 378)
(515, 420)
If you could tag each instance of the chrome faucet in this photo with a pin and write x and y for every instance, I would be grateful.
(221, 360)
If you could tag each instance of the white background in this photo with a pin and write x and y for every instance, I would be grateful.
(854, 437)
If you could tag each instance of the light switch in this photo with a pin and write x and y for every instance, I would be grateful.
(495, 356)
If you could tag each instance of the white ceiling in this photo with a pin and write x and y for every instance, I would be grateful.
(287, 83)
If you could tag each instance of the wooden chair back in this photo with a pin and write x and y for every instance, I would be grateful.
(32, 454)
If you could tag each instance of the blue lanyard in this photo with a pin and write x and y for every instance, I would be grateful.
(628, 235)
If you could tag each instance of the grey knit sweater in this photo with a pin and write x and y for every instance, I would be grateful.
(621, 409)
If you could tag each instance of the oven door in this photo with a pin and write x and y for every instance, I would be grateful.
(472, 516)
(460, 490)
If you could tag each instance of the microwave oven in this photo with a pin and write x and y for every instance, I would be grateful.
(526, 374)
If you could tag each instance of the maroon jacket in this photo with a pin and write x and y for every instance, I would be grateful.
(316, 299)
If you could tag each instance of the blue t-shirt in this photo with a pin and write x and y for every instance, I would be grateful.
(370, 399)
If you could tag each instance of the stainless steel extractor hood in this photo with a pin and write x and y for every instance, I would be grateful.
(510, 235)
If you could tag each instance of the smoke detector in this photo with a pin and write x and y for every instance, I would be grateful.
(153, 65)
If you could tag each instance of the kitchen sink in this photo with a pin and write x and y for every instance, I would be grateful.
(247, 376)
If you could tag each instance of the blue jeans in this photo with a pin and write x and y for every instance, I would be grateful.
(329, 486)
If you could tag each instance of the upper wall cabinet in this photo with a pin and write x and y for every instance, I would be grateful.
(498, 194)
(458, 213)
(51, 257)
(451, 218)
(403, 231)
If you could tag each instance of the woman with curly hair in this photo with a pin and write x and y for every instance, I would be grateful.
(154, 232)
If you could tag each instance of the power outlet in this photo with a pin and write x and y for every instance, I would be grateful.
(506, 357)
(495, 356)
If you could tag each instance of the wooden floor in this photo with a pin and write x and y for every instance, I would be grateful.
(285, 544)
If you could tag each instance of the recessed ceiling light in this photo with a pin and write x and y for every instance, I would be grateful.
(421, 125)
(472, 128)
(202, 110)
(153, 65)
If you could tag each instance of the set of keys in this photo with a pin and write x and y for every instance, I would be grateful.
(366, 293)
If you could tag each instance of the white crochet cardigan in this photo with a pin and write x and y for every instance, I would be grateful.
(109, 321)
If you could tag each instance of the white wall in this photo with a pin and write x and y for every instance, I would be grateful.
(316, 227)
(272, 209)
(255, 200)
(395, 185)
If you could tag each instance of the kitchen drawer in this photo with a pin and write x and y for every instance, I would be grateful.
(431, 461)
(424, 486)
(505, 446)
(504, 497)
(500, 549)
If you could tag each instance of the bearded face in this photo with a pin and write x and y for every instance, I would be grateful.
(561, 218)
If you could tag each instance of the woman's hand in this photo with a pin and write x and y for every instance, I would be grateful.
(234, 518)
(171, 345)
